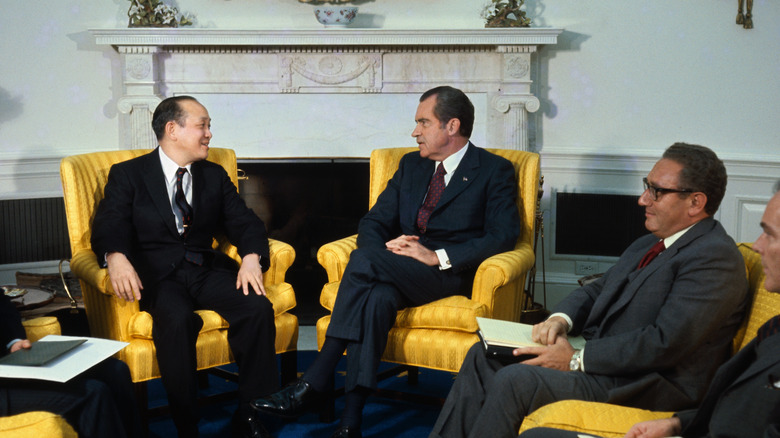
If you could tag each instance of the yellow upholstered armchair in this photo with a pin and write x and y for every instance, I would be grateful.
(37, 424)
(608, 420)
(438, 335)
(83, 180)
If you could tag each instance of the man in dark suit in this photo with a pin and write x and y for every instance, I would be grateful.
(154, 231)
(420, 242)
(744, 397)
(647, 343)
(97, 403)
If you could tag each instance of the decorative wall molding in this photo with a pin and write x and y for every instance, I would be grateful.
(495, 63)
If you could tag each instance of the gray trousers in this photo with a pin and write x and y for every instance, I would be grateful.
(489, 399)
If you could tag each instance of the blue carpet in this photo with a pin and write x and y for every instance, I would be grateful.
(382, 417)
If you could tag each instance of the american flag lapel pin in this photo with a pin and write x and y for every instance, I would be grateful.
(465, 179)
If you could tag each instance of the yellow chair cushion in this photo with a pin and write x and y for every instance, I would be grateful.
(600, 419)
(36, 424)
(456, 313)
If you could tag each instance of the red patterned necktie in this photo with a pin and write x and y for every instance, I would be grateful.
(181, 202)
(654, 251)
(435, 189)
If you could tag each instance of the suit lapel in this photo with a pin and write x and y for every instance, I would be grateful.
(467, 171)
(156, 186)
(766, 356)
(422, 172)
(198, 184)
(637, 278)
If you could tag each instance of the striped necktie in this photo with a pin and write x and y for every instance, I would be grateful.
(181, 202)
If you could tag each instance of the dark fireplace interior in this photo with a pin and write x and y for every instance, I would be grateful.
(307, 203)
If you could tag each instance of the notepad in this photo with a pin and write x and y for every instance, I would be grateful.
(40, 353)
(500, 338)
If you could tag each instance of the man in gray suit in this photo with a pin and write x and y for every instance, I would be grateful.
(657, 328)
(747, 387)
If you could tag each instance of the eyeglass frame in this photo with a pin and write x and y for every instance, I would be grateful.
(656, 191)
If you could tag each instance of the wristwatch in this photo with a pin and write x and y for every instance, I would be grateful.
(576, 361)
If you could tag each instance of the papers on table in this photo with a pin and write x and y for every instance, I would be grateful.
(68, 365)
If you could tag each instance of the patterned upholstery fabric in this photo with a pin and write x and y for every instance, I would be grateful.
(614, 421)
(36, 328)
(37, 424)
(438, 335)
(83, 179)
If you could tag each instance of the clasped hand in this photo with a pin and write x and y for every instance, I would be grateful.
(556, 352)
(410, 246)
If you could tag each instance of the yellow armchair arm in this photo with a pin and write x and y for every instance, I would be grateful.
(282, 257)
(334, 256)
(500, 280)
(36, 424)
(36, 328)
(84, 265)
(599, 419)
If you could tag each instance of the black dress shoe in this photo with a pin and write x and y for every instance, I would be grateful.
(346, 432)
(291, 401)
(247, 425)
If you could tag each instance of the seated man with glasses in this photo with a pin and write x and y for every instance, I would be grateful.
(658, 323)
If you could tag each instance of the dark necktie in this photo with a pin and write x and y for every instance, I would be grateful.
(186, 216)
(435, 189)
(181, 202)
(769, 328)
(654, 251)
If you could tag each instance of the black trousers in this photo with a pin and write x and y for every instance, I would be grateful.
(251, 336)
(375, 286)
(97, 403)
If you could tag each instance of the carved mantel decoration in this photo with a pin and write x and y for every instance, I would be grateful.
(164, 62)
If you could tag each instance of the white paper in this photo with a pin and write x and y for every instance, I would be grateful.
(70, 364)
(508, 333)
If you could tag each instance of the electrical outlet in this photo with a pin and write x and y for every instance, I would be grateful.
(585, 268)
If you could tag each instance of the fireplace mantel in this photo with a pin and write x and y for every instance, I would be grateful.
(325, 37)
(493, 62)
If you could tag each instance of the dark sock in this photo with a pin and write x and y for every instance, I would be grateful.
(354, 400)
(324, 365)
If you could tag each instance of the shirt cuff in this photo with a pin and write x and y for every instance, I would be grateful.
(444, 260)
(565, 317)
(10, 344)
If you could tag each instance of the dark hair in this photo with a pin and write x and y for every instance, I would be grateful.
(452, 103)
(702, 172)
(169, 110)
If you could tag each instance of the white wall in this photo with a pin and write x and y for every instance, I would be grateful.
(627, 79)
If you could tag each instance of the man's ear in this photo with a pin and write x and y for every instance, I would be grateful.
(698, 203)
(170, 129)
(453, 126)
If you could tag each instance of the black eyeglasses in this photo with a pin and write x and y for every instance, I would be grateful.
(655, 192)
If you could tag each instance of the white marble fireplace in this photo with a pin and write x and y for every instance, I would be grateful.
(329, 92)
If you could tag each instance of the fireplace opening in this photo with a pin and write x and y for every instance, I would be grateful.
(307, 203)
